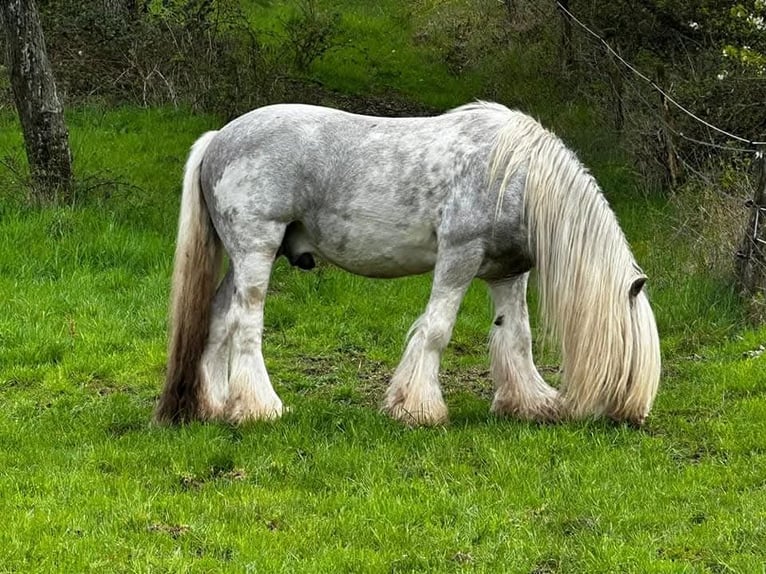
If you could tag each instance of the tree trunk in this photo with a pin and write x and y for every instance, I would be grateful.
(34, 91)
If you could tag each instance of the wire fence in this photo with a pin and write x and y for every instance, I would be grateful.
(750, 257)
(638, 73)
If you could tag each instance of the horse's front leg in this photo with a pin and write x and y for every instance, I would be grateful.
(519, 389)
(414, 396)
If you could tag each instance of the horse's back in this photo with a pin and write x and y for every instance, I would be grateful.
(317, 138)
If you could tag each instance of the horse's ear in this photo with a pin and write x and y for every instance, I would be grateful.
(637, 285)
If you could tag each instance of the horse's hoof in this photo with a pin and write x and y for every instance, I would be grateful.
(241, 413)
(427, 414)
(544, 412)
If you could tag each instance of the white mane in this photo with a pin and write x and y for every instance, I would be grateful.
(586, 271)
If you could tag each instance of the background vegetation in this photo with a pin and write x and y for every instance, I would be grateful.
(87, 484)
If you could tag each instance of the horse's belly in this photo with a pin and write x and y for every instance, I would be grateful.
(394, 252)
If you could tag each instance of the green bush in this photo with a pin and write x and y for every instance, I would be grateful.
(310, 33)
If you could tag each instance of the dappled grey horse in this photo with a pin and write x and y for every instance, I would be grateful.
(481, 191)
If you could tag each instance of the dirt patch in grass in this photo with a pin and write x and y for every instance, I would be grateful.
(371, 377)
(475, 380)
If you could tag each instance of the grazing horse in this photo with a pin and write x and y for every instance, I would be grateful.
(480, 191)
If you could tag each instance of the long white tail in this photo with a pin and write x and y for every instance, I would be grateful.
(591, 296)
(195, 268)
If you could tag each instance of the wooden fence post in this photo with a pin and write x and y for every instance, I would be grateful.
(672, 169)
(509, 11)
(752, 255)
(567, 52)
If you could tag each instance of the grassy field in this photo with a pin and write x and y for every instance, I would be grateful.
(88, 484)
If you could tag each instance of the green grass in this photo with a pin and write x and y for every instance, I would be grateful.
(88, 484)
(406, 48)
(371, 51)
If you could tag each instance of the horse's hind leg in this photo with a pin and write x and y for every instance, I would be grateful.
(519, 389)
(251, 395)
(414, 396)
(215, 359)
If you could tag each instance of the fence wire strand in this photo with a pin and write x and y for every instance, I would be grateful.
(664, 94)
